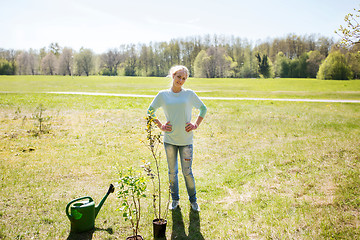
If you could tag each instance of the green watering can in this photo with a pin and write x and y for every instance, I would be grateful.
(83, 213)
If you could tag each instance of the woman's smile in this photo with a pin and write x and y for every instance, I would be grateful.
(179, 78)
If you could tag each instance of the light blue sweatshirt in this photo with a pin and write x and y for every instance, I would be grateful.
(178, 110)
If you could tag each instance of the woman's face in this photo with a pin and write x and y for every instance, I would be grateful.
(179, 78)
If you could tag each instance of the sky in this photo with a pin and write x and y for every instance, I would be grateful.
(105, 24)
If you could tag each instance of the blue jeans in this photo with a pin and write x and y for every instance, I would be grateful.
(186, 157)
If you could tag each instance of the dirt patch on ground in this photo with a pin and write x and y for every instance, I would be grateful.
(233, 196)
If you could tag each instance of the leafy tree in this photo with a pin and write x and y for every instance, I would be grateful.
(22, 60)
(131, 60)
(55, 49)
(324, 45)
(300, 66)
(8, 64)
(196, 42)
(147, 61)
(220, 63)
(292, 68)
(200, 69)
(48, 64)
(190, 48)
(264, 48)
(66, 62)
(314, 61)
(84, 61)
(158, 69)
(230, 67)
(291, 43)
(236, 50)
(226, 57)
(335, 67)
(285, 68)
(213, 63)
(33, 62)
(281, 65)
(353, 60)
(6, 68)
(27, 62)
(174, 52)
(249, 66)
(144, 61)
(110, 62)
(351, 33)
(263, 65)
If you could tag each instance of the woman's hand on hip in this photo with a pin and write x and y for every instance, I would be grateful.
(189, 127)
(166, 127)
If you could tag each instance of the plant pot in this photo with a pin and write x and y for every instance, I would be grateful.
(137, 237)
(159, 226)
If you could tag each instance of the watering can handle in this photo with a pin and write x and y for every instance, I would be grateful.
(75, 200)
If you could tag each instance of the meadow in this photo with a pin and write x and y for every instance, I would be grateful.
(263, 169)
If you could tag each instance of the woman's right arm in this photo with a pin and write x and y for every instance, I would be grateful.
(166, 128)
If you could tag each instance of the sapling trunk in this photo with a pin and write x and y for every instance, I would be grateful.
(136, 210)
(158, 176)
(138, 213)
(130, 214)
(153, 145)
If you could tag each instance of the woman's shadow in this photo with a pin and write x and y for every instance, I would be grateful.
(87, 235)
(178, 227)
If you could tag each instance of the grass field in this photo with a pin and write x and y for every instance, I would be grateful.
(263, 170)
(227, 87)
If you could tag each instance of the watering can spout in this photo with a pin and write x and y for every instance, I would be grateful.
(98, 207)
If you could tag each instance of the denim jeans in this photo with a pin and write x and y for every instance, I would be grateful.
(186, 157)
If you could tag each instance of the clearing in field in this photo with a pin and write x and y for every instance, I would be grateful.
(263, 169)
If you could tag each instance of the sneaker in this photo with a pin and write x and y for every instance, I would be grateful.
(174, 205)
(195, 207)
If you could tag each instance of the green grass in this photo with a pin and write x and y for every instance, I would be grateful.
(227, 87)
(263, 170)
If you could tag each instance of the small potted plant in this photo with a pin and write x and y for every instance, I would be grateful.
(131, 188)
(152, 143)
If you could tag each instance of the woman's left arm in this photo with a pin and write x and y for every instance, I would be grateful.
(201, 106)
(189, 126)
(198, 121)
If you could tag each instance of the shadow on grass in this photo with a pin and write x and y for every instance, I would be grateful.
(178, 229)
(87, 235)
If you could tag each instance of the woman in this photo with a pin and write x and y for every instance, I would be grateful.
(177, 104)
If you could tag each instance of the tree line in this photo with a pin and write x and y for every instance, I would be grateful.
(292, 56)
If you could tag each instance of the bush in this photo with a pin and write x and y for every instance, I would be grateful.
(335, 68)
(7, 68)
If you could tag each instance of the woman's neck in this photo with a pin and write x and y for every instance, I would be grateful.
(175, 89)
